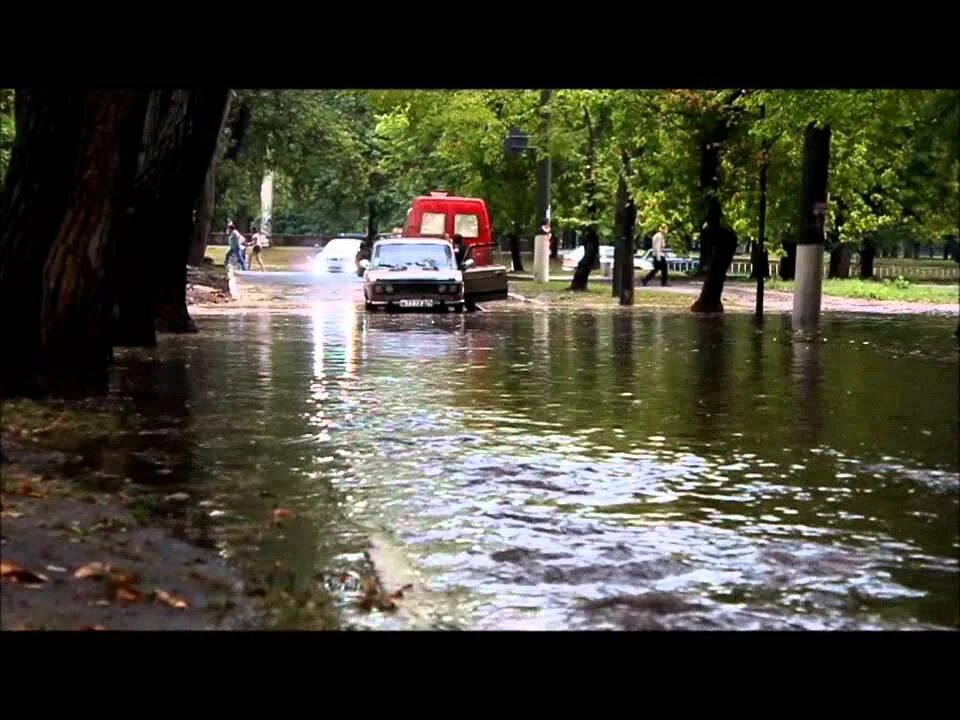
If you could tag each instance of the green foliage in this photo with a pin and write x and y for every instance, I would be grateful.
(7, 130)
(893, 165)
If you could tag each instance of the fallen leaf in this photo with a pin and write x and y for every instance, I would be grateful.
(170, 600)
(92, 570)
(17, 573)
(282, 514)
(386, 605)
(90, 627)
(26, 489)
(130, 595)
(122, 579)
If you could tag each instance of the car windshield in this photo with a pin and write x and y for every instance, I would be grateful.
(430, 256)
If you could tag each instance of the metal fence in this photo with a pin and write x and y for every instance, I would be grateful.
(909, 272)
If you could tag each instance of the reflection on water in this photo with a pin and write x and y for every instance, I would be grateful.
(579, 469)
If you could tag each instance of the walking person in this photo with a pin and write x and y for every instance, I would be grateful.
(659, 257)
(235, 244)
(256, 248)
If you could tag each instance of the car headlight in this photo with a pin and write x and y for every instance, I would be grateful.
(454, 289)
(388, 289)
(442, 289)
(377, 289)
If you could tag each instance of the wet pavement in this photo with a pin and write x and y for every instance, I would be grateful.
(560, 469)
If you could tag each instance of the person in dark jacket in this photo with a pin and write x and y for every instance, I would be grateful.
(459, 250)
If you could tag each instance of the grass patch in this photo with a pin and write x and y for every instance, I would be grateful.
(596, 294)
(889, 289)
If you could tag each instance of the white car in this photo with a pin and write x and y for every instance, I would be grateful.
(572, 258)
(338, 255)
(643, 261)
(413, 272)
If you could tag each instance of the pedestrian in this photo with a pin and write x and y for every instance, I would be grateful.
(659, 257)
(235, 244)
(256, 248)
(459, 250)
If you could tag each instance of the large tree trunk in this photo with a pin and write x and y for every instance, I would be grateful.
(203, 217)
(619, 222)
(624, 263)
(206, 202)
(788, 263)
(867, 255)
(713, 134)
(591, 242)
(724, 243)
(179, 142)
(840, 261)
(718, 244)
(63, 213)
(591, 254)
(840, 253)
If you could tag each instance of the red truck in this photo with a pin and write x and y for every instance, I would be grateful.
(440, 214)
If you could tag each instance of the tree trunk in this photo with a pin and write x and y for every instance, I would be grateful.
(591, 242)
(619, 223)
(515, 251)
(788, 263)
(591, 253)
(624, 263)
(724, 243)
(64, 211)
(867, 255)
(759, 258)
(710, 142)
(840, 261)
(203, 217)
(206, 202)
(180, 139)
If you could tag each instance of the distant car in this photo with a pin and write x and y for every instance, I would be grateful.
(643, 261)
(413, 272)
(338, 255)
(572, 258)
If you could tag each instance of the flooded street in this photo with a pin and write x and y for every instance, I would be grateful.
(569, 469)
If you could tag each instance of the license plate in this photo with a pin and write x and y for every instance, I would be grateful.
(416, 303)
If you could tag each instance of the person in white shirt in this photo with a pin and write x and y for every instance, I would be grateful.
(659, 257)
(256, 247)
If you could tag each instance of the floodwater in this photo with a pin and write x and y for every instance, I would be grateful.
(571, 469)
